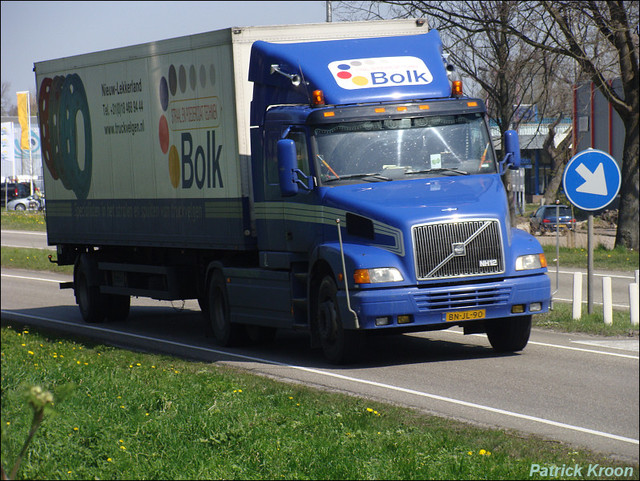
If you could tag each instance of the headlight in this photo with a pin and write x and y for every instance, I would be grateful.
(531, 261)
(375, 276)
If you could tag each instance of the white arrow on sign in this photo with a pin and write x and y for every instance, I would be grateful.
(595, 182)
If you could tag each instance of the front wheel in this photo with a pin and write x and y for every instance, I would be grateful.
(340, 346)
(510, 334)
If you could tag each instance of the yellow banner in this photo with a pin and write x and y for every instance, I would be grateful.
(23, 118)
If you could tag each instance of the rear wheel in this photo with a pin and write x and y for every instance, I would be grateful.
(224, 332)
(340, 346)
(510, 334)
(92, 304)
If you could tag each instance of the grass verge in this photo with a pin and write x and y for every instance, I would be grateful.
(31, 259)
(561, 319)
(147, 416)
(32, 221)
(618, 259)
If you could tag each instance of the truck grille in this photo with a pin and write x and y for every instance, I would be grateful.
(458, 249)
(469, 298)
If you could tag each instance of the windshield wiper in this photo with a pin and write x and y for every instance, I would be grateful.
(375, 176)
(442, 170)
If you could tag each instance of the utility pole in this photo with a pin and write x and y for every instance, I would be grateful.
(328, 4)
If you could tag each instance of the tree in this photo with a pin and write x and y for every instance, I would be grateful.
(599, 37)
(509, 73)
(596, 36)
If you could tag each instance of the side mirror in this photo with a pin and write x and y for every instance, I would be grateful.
(512, 149)
(287, 164)
(288, 172)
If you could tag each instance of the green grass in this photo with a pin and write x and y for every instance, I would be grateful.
(561, 319)
(32, 221)
(144, 416)
(32, 259)
(618, 259)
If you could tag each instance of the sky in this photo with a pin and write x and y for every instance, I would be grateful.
(44, 30)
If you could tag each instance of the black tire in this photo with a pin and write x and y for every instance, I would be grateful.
(224, 332)
(20, 207)
(340, 346)
(92, 304)
(510, 334)
(117, 307)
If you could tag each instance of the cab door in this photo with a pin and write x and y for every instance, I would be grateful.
(290, 221)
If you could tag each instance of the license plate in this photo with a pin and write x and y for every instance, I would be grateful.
(465, 315)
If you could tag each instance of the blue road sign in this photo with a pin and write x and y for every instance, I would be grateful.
(591, 179)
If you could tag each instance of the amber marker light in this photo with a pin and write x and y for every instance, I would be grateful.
(318, 97)
(456, 88)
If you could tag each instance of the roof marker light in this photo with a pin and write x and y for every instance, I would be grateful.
(329, 114)
(424, 107)
(380, 110)
(456, 88)
(402, 109)
(318, 98)
(472, 104)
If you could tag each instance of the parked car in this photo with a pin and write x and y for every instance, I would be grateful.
(14, 190)
(545, 219)
(27, 203)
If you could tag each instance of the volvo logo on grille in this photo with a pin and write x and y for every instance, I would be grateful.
(458, 249)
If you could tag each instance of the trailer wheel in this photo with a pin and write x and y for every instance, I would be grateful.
(91, 303)
(510, 334)
(340, 346)
(224, 332)
(118, 307)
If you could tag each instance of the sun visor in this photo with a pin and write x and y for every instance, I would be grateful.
(349, 71)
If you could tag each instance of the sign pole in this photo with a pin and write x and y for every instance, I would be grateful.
(590, 264)
(591, 181)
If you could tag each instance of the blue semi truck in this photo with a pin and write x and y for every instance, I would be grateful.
(326, 177)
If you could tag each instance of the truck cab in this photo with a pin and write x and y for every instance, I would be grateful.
(393, 204)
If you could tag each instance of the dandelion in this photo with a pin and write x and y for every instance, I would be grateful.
(109, 460)
(123, 448)
(482, 452)
(138, 364)
(120, 441)
(30, 352)
(76, 429)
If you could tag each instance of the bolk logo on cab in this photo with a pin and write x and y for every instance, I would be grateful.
(380, 72)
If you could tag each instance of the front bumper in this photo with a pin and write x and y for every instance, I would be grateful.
(428, 306)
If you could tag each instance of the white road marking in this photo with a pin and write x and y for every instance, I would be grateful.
(355, 380)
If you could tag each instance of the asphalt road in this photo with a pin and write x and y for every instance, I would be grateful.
(572, 388)
(619, 280)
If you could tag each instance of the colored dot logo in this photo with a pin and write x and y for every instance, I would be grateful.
(380, 72)
(178, 81)
(345, 74)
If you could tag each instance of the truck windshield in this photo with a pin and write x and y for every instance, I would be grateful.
(393, 149)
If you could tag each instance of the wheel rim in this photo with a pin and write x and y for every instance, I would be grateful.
(327, 321)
